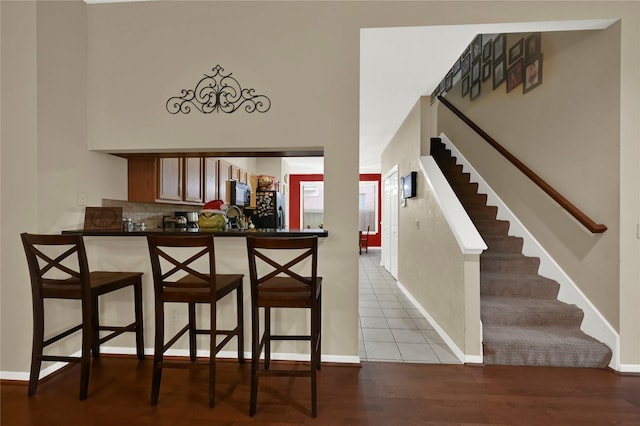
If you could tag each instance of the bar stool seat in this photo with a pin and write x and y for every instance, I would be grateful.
(58, 269)
(289, 283)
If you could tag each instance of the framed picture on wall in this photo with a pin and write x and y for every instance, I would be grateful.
(498, 73)
(475, 71)
(514, 75)
(532, 47)
(465, 86)
(466, 65)
(456, 67)
(476, 48)
(532, 76)
(486, 70)
(516, 51)
(475, 90)
(498, 48)
(486, 52)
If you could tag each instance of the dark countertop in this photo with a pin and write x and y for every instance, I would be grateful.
(224, 233)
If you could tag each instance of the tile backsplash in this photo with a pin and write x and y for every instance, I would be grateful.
(149, 213)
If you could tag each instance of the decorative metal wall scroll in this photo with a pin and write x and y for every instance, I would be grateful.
(218, 92)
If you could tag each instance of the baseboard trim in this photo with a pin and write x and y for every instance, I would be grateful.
(113, 350)
(629, 368)
(447, 340)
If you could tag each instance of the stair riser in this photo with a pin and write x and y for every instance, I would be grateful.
(504, 244)
(465, 190)
(572, 318)
(525, 265)
(450, 168)
(483, 213)
(492, 227)
(459, 179)
(538, 357)
(473, 201)
(534, 290)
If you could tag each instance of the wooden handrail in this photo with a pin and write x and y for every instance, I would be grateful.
(585, 220)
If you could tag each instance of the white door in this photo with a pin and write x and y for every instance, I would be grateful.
(390, 223)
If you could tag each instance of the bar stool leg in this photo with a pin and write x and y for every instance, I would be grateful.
(158, 353)
(267, 337)
(240, 324)
(95, 328)
(192, 331)
(212, 355)
(88, 330)
(255, 357)
(137, 295)
(37, 345)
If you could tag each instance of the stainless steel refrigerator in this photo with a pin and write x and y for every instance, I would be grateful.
(269, 211)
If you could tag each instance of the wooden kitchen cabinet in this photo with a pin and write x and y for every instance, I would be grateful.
(225, 173)
(170, 179)
(193, 175)
(182, 180)
(243, 176)
(173, 180)
(235, 172)
(210, 180)
(252, 180)
(142, 185)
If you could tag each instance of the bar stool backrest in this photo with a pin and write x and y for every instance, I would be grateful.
(58, 266)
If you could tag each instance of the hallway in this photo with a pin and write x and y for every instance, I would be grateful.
(391, 328)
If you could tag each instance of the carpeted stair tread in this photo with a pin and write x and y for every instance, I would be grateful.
(518, 285)
(523, 311)
(543, 346)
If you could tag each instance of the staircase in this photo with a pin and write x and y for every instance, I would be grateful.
(523, 323)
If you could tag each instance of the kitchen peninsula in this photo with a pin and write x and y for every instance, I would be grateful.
(112, 250)
(222, 233)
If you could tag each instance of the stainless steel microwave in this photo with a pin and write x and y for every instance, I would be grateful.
(239, 193)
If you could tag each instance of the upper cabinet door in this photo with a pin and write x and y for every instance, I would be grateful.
(210, 179)
(170, 179)
(193, 188)
(142, 179)
(235, 172)
(224, 174)
(243, 176)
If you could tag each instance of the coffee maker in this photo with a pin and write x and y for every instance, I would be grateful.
(192, 219)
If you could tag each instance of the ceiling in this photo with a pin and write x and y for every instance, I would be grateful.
(399, 65)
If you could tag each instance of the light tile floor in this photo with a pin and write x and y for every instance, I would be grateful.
(391, 327)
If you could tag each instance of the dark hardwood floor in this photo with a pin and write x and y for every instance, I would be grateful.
(375, 394)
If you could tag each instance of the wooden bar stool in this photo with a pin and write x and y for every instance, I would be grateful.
(364, 240)
(59, 270)
(289, 283)
(184, 271)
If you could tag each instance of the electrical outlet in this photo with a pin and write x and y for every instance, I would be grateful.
(82, 198)
(417, 224)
